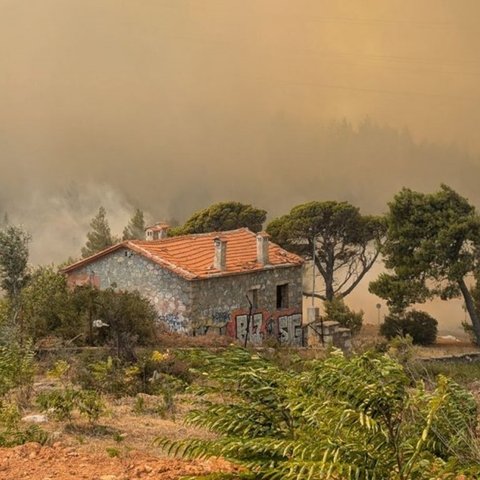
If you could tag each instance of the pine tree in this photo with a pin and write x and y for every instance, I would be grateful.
(100, 236)
(135, 230)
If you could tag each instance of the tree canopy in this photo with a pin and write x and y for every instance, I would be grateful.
(431, 248)
(135, 230)
(346, 243)
(100, 236)
(13, 260)
(352, 418)
(223, 216)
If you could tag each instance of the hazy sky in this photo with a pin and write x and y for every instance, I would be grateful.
(173, 104)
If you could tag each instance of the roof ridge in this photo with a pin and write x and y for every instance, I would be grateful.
(191, 256)
(195, 235)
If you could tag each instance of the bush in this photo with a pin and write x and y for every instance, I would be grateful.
(12, 432)
(63, 402)
(16, 367)
(421, 326)
(154, 373)
(129, 321)
(338, 311)
(47, 306)
(350, 418)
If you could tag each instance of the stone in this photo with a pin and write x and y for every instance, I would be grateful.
(35, 418)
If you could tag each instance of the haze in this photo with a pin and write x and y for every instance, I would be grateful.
(170, 105)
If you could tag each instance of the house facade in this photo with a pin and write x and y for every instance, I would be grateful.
(218, 282)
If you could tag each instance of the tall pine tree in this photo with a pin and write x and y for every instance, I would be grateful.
(100, 236)
(135, 230)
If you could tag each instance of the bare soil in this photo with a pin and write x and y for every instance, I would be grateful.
(120, 447)
(34, 462)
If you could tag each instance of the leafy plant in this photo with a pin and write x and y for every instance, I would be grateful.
(421, 326)
(16, 367)
(12, 432)
(63, 402)
(340, 418)
(338, 311)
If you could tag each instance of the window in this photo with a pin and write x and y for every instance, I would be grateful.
(282, 296)
(253, 297)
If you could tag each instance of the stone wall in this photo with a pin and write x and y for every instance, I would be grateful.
(198, 306)
(170, 294)
(221, 303)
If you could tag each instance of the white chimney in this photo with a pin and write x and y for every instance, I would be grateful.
(158, 231)
(220, 255)
(262, 248)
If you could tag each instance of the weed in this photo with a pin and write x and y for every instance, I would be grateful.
(112, 452)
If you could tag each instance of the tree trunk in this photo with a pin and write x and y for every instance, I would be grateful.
(471, 309)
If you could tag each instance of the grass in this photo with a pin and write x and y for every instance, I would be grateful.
(464, 373)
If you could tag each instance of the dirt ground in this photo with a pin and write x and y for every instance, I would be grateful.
(60, 462)
(122, 446)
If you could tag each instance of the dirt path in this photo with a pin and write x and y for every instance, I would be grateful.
(58, 462)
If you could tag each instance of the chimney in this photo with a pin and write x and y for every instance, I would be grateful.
(220, 255)
(158, 231)
(262, 248)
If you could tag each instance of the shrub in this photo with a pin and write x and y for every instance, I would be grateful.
(16, 367)
(421, 326)
(12, 432)
(63, 402)
(338, 311)
(130, 321)
(349, 418)
(47, 306)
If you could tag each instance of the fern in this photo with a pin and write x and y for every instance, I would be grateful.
(343, 418)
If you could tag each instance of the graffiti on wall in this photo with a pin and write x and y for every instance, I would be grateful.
(287, 328)
(215, 317)
(174, 321)
(290, 329)
(255, 333)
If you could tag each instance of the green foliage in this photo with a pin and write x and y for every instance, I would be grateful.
(47, 306)
(63, 402)
(431, 247)
(13, 260)
(338, 311)
(12, 432)
(130, 319)
(221, 217)
(154, 373)
(421, 326)
(112, 452)
(135, 230)
(464, 372)
(110, 376)
(346, 242)
(4, 311)
(341, 418)
(100, 236)
(17, 367)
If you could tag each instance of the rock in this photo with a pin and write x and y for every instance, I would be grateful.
(35, 418)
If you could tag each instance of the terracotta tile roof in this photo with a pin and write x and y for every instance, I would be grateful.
(191, 256)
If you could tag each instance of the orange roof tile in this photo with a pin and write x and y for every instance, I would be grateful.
(191, 256)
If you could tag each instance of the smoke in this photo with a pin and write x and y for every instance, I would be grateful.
(58, 221)
(170, 105)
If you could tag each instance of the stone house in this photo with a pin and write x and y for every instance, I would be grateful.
(206, 282)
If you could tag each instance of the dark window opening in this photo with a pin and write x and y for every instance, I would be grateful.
(282, 296)
(253, 297)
